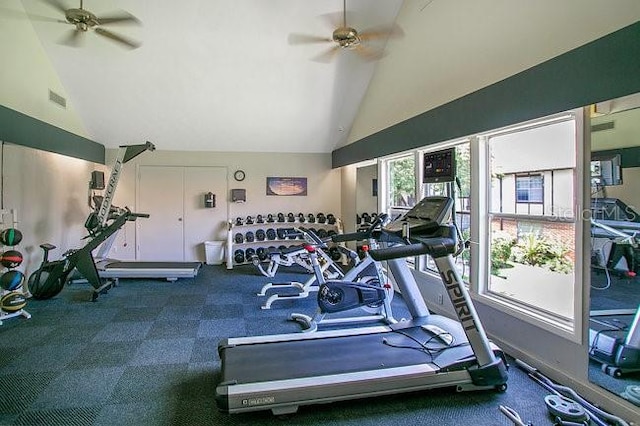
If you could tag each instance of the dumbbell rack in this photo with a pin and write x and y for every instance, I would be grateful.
(21, 312)
(234, 228)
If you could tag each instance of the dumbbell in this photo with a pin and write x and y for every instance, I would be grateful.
(238, 256)
(262, 254)
(301, 218)
(239, 238)
(280, 217)
(331, 219)
(321, 218)
(291, 217)
(249, 254)
(260, 235)
(282, 233)
(334, 253)
(271, 234)
(249, 237)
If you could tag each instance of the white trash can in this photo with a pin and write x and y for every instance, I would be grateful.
(214, 252)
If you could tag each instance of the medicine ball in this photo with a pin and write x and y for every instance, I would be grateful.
(321, 218)
(249, 220)
(280, 217)
(322, 233)
(301, 218)
(259, 219)
(291, 217)
(239, 238)
(271, 234)
(11, 280)
(11, 258)
(331, 219)
(270, 218)
(331, 233)
(10, 237)
(13, 301)
(249, 237)
(42, 288)
(238, 256)
(260, 235)
(238, 221)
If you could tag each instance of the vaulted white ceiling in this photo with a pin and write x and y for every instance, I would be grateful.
(214, 75)
(220, 75)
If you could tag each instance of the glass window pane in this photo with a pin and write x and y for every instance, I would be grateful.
(402, 182)
(531, 217)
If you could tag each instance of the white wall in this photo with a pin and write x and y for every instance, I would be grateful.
(49, 192)
(324, 193)
(26, 74)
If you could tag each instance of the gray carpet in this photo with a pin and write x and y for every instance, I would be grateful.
(146, 354)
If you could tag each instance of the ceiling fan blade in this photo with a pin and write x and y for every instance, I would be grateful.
(15, 14)
(118, 18)
(369, 53)
(296, 38)
(327, 56)
(57, 4)
(382, 32)
(118, 38)
(74, 38)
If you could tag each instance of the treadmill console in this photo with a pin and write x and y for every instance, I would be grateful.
(425, 217)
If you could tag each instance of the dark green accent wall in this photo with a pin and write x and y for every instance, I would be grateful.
(604, 69)
(629, 157)
(20, 129)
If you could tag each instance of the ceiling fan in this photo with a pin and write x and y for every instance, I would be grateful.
(346, 37)
(84, 20)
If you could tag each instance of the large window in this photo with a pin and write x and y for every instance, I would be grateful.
(531, 217)
(401, 184)
(460, 191)
(520, 233)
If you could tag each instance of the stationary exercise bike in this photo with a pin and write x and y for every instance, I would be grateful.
(328, 269)
(365, 286)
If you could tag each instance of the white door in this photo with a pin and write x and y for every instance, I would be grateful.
(203, 224)
(179, 223)
(160, 194)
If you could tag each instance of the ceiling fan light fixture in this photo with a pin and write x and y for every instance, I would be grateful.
(346, 37)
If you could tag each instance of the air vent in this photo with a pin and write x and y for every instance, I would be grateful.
(602, 126)
(57, 99)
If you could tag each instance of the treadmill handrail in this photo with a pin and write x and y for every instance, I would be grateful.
(434, 246)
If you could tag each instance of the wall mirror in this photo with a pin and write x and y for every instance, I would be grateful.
(366, 191)
(614, 329)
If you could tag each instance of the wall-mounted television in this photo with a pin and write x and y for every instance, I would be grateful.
(439, 166)
(606, 169)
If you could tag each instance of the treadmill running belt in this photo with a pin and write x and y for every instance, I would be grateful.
(152, 265)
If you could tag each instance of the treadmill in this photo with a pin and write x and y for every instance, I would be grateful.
(285, 371)
(113, 269)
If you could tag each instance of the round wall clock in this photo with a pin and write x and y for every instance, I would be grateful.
(239, 175)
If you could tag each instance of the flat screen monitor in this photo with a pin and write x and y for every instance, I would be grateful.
(439, 166)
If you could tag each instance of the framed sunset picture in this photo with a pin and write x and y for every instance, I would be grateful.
(286, 186)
